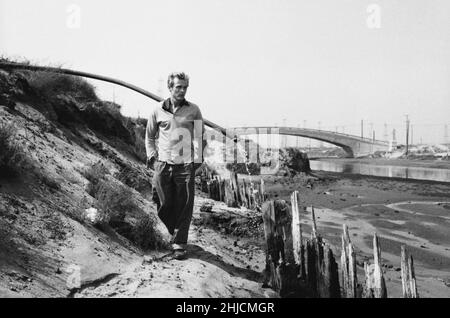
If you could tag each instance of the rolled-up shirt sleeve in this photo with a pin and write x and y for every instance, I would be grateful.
(150, 135)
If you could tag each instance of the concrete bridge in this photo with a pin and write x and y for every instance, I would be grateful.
(354, 146)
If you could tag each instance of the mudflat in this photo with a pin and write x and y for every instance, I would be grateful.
(414, 213)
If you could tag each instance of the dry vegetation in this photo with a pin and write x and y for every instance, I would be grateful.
(70, 104)
(115, 201)
(11, 155)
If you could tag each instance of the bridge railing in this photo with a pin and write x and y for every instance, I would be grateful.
(365, 139)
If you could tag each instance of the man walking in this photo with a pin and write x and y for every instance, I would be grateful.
(175, 123)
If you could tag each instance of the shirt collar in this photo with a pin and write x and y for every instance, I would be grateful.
(167, 103)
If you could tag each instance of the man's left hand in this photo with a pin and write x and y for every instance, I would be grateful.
(197, 166)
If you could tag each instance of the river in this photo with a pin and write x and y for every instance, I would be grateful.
(418, 173)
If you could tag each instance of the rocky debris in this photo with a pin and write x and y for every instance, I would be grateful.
(250, 225)
(293, 162)
(206, 207)
(445, 205)
(20, 277)
(93, 216)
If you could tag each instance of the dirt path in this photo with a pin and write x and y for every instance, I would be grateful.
(218, 266)
(223, 264)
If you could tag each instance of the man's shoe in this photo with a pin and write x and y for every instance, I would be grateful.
(179, 254)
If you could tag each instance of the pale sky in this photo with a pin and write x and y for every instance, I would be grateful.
(255, 62)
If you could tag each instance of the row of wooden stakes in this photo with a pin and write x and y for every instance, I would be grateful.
(232, 191)
(298, 267)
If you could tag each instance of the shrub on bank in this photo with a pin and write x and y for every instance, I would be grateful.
(11, 154)
(49, 85)
(115, 201)
(144, 234)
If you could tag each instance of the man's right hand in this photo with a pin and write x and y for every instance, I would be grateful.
(150, 163)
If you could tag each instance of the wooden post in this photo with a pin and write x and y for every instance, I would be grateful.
(375, 284)
(216, 190)
(229, 195)
(329, 282)
(258, 197)
(354, 289)
(204, 183)
(262, 191)
(408, 277)
(250, 195)
(380, 291)
(235, 188)
(344, 267)
(296, 228)
(208, 185)
(281, 271)
(222, 187)
(220, 190)
(348, 266)
(314, 226)
(311, 268)
(242, 194)
(247, 196)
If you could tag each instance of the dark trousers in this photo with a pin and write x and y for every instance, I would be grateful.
(175, 187)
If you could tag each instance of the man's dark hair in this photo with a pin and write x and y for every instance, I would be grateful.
(179, 75)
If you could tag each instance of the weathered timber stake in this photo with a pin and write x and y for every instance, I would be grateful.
(344, 267)
(296, 227)
(251, 196)
(222, 189)
(311, 269)
(281, 271)
(329, 287)
(219, 181)
(242, 185)
(241, 192)
(216, 190)
(379, 278)
(297, 239)
(314, 225)
(229, 195)
(262, 191)
(348, 266)
(353, 287)
(204, 182)
(375, 284)
(408, 277)
(235, 188)
(208, 184)
(412, 279)
(247, 195)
